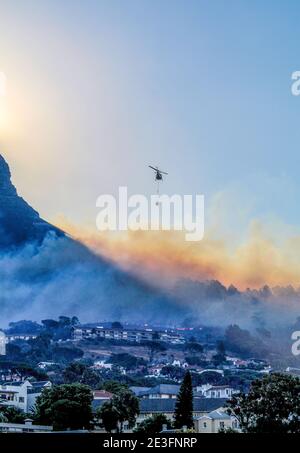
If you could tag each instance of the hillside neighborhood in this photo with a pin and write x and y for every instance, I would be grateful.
(149, 365)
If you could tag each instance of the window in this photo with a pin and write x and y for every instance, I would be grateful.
(204, 425)
(21, 399)
(222, 425)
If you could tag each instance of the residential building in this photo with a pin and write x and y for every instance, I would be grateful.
(166, 406)
(34, 391)
(21, 394)
(102, 395)
(2, 343)
(7, 374)
(138, 391)
(154, 371)
(14, 394)
(216, 391)
(132, 335)
(293, 371)
(215, 421)
(20, 336)
(162, 391)
(26, 427)
(45, 365)
(99, 398)
(102, 364)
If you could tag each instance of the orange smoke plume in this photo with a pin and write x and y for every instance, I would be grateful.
(164, 257)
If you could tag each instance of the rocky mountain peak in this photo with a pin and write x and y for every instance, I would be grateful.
(19, 222)
(6, 186)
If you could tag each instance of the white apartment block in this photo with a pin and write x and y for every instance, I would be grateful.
(2, 343)
(21, 394)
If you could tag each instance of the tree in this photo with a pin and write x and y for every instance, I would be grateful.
(153, 425)
(10, 414)
(193, 347)
(154, 347)
(50, 324)
(184, 404)
(195, 360)
(79, 372)
(116, 325)
(126, 360)
(123, 407)
(24, 326)
(271, 406)
(91, 378)
(64, 321)
(220, 357)
(73, 372)
(66, 406)
(221, 348)
(108, 416)
(74, 321)
(65, 354)
(173, 372)
(241, 342)
(113, 386)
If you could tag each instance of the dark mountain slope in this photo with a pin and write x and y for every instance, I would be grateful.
(19, 222)
(44, 272)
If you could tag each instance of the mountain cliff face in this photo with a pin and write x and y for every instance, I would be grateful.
(19, 222)
(44, 275)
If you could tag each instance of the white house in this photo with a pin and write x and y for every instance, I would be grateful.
(214, 422)
(216, 391)
(14, 394)
(45, 365)
(102, 364)
(21, 394)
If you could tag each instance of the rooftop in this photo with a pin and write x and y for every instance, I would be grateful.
(167, 389)
(14, 383)
(219, 387)
(139, 390)
(216, 415)
(39, 383)
(102, 394)
(168, 405)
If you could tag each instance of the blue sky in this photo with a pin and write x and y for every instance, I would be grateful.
(97, 90)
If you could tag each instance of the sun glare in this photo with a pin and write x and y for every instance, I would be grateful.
(2, 100)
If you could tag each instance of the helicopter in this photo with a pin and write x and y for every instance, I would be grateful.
(158, 176)
(159, 173)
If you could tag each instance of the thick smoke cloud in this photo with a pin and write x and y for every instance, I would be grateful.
(249, 285)
(62, 276)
